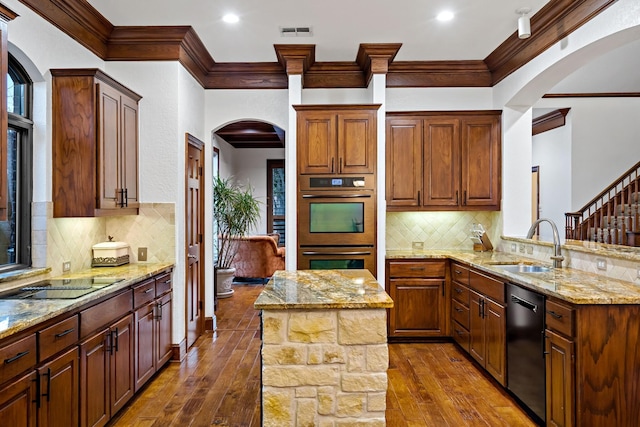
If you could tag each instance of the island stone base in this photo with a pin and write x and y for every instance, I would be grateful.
(324, 367)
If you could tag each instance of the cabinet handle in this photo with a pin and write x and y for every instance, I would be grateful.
(457, 271)
(48, 393)
(458, 290)
(108, 342)
(459, 310)
(416, 268)
(37, 399)
(125, 199)
(166, 282)
(554, 314)
(159, 311)
(340, 171)
(16, 357)
(63, 333)
(148, 290)
(457, 200)
(117, 338)
(459, 332)
(419, 198)
(332, 165)
(464, 197)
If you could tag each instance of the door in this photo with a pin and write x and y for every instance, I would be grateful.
(560, 380)
(110, 185)
(276, 199)
(441, 151)
(317, 142)
(18, 402)
(495, 336)
(356, 142)
(418, 307)
(129, 151)
(164, 348)
(94, 380)
(59, 391)
(404, 162)
(481, 162)
(194, 234)
(145, 333)
(121, 364)
(476, 327)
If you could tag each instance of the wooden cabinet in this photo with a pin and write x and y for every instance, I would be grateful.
(18, 402)
(487, 324)
(95, 145)
(336, 139)
(460, 299)
(560, 359)
(418, 291)
(153, 327)
(443, 161)
(59, 390)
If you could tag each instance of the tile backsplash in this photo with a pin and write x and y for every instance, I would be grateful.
(438, 230)
(57, 240)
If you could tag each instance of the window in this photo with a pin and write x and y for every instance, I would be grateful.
(15, 230)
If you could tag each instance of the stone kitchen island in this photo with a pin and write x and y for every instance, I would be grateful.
(324, 349)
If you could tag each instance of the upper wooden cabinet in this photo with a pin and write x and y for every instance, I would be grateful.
(336, 139)
(95, 145)
(439, 161)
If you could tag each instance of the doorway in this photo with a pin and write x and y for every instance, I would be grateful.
(194, 217)
(276, 222)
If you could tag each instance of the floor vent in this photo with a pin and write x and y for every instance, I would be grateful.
(296, 31)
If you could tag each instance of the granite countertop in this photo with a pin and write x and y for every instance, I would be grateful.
(323, 289)
(18, 315)
(568, 284)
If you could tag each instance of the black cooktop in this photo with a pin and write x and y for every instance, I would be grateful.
(60, 288)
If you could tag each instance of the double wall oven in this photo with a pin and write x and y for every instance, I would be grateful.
(337, 222)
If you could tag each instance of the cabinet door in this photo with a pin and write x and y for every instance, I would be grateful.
(122, 363)
(108, 117)
(317, 142)
(145, 344)
(476, 327)
(560, 380)
(59, 382)
(94, 379)
(356, 142)
(404, 162)
(495, 338)
(163, 330)
(129, 151)
(418, 307)
(18, 402)
(441, 156)
(481, 172)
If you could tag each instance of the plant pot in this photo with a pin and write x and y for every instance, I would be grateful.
(224, 279)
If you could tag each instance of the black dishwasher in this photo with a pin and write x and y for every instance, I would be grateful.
(525, 348)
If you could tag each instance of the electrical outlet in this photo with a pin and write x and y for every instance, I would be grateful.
(66, 266)
(418, 246)
(513, 247)
(521, 248)
(601, 263)
(530, 250)
(142, 254)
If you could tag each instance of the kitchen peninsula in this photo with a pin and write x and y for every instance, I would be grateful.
(324, 348)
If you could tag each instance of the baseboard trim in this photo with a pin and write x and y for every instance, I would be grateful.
(210, 323)
(179, 351)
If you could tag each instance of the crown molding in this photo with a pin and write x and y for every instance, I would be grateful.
(556, 20)
(7, 14)
(79, 20)
(549, 121)
(593, 95)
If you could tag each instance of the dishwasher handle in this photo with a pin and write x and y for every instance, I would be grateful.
(526, 304)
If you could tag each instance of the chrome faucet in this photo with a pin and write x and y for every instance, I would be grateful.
(557, 251)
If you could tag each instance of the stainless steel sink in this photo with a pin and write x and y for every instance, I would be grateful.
(523, 268)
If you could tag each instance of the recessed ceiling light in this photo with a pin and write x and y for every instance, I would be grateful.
(446, 15)
(230, 18)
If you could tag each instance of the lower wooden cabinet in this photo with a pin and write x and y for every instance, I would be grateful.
(106, 372)
(418, 290)
(18, 402)
(560, 380)
(59, 387)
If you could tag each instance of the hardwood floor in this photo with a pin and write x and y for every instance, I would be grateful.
(219, 382)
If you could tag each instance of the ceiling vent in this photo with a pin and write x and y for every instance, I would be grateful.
(296, 31)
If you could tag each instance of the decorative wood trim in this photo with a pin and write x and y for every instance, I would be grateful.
(78, 19)
(549, 121)
(341, 107)
(594, 95)
(438, 74)
(179, 351)
(552, 23)
(456, 113)
(7, 14)
(295, 58)
(208, 323)
(82, 22)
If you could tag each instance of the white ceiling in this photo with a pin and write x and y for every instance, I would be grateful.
(339, 26)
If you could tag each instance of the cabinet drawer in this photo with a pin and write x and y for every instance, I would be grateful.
(100, 315)
(460, 273)
(559, 317)
(163, 284)
(417, 269)
(17, 357)
(486, 285)
(144, 292)
(460, 313)
(460, 335)
(56, 338)
(460, 293)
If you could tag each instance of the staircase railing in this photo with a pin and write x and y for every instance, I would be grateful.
(612, 216)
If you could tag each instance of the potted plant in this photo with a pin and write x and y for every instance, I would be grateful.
(235, 212)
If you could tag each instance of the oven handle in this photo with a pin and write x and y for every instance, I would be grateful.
(334, 196)
(336, 253)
